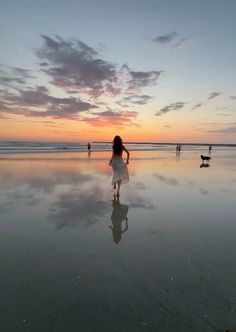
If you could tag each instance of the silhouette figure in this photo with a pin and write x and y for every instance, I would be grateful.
(120, 170)
(119, 214)
(178, 148)
(210, 148)
(204, 165)
(89, 149)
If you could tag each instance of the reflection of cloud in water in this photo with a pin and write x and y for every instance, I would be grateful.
(11, 200)
(155, 232)
(139, 185)
(190, 182)
(136, 200)
(5, 206)
(45, 181)
(48, 184)
(29, 199)
(203, 191)
(76, 207)
(165, 179)
(140, 202)
(226, 190)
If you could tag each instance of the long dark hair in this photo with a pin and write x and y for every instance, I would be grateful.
(117, 145)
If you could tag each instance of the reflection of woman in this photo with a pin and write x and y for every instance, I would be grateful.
(119, 214)
(120, 170)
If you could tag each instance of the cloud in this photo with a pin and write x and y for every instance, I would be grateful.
(88, 83)
(43, 64)
(110, 117)
(214, 95)
(7, 109)
(143, 79)
(179, 43)
(165, 39)
(34, 97)
(171, 107)
(3, 116)
(73, 64)
(223, 114)
(228, 130)
(11, 75)
(168, 39)
(233, 97)
(135, 100)
(196, 106)
(39, 97)
(71, 111)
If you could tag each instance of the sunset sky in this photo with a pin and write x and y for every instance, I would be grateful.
(155, 70)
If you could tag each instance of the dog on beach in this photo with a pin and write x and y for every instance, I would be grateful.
(205, 158)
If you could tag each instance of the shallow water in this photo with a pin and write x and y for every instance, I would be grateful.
(161, 258)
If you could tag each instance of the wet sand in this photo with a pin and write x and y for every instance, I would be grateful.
(161, 258)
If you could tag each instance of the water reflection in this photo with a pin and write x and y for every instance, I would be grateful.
(119, 214)
(79, 207)
(165, 179)
(204, 165)
(41, 179)
(178, 149)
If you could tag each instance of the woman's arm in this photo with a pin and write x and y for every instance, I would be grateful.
(110, 162)
(127, 160)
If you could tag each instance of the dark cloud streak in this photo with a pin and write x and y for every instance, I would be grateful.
(214, 95)
(165, 39)
(171, 107)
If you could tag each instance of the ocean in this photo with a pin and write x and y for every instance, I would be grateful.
(12, 147)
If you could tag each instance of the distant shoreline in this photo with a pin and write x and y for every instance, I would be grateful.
(75, 144)
(154, 143)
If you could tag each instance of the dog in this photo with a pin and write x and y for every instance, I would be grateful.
(205, 158)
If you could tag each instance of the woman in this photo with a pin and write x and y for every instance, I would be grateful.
(120, 170)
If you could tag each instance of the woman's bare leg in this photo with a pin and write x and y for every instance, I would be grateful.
(118, 190)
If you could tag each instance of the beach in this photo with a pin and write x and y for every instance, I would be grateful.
(162, 257)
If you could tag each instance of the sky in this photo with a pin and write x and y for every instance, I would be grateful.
(152, 71)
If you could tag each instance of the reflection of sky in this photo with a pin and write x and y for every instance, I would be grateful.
(150, 178)
(176, 259)
(76, 207)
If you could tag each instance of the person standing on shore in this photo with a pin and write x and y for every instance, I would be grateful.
(120, 170)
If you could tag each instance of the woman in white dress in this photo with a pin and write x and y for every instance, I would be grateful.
(119, 167)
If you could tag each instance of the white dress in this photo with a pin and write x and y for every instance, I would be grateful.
(120, 170)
